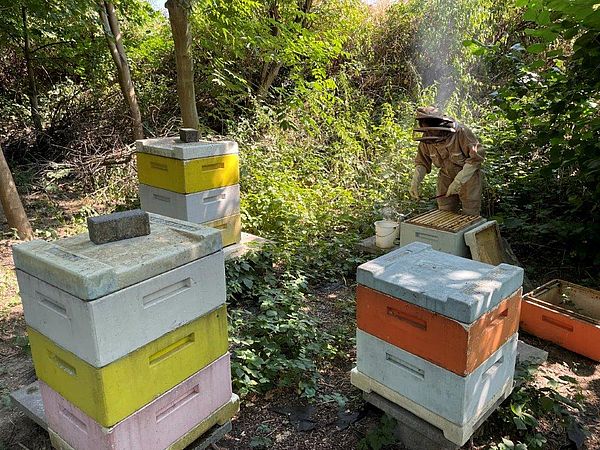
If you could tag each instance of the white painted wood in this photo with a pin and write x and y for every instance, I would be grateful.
(457, 399)
(173, 147)
(444, 241)
(106, 329)
(199, 207)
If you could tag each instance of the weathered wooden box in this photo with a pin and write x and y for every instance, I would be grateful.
(566, 314)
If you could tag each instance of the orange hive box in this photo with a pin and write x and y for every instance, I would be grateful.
(566, 314)
(450, 344)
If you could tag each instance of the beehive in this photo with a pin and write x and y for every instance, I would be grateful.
(443, 230)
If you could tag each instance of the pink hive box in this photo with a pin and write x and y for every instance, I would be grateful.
(153, 427)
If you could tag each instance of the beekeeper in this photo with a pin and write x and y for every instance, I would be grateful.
(455, 150)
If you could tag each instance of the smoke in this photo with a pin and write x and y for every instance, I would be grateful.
(439, 47)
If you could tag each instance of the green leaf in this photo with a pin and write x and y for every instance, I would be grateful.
(536, 48)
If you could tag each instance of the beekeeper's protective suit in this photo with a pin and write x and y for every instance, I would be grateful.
(455, 150)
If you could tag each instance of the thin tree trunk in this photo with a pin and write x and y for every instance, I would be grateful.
(11, 203)
(112, 31)
(182, 38)
(33, 95)
(270, 72)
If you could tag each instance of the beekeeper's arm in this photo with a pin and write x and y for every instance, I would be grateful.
(474, 152)
(422, 168)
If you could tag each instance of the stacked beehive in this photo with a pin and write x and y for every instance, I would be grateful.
(129, 338)
(437, 334)
(192, 180)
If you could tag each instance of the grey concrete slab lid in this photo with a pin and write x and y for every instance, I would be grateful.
(455, 287)
(89, 271)
(173, 147)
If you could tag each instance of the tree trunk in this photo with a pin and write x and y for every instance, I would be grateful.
(182, 38)
(11, 203)
(269, 73)
(112, 31)
(33, 95)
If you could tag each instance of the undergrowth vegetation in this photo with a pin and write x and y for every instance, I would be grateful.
(325, 145)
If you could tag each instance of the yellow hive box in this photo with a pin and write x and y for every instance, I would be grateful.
(187, 176)
(113, 392)
(230, 227)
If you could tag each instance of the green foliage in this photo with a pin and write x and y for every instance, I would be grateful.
(553, 106)
(380, 436)
(518, 419)
(261, 439)
(276, 341)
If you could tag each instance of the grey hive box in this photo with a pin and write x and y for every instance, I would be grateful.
(443, 230)
(455, 287)
(101, 302)
(198, 207)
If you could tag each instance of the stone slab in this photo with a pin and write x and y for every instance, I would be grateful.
(230, 228)
(248, 242)
(413, 432)
(113, 392)
(368, 246)
(530, 355)
(106, 329)
(452, 432)
(118, 226)
(174, 147)
(89, 271)
(28, 400)
(420, 331)
(455, 287)
(455, 398)
(153, 427)
(485, 243)
(443, 241)
(198, 207)
(190, 175)
(204, 434)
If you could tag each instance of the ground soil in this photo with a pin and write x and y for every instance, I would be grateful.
(333, 304)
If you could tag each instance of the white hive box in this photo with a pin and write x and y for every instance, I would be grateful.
(443, 230)
(101, 302)
(199, 207)
(173, 147)
(455, 398)
(455, 287)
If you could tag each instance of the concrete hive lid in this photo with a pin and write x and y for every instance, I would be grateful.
(89, 271)
(455, 287)
(173, 147)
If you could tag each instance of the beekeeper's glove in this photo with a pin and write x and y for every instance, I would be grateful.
(415, 185)
(461, 178)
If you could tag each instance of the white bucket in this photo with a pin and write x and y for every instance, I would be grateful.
(386, 232)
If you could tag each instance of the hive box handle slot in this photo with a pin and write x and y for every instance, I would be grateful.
(183, 400)
(407, 318)
(158, 166)
(500, 317)
(215, 198)
(493, 368)
(52, 305)
(408, 367)
(166, 292)
(80, 424)
(223, 226)
(170, 350)
(557, 323)
(162, 198)
(215, 166)
(62, 364)
(425, 236)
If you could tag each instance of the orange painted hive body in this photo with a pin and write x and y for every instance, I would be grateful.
(566, 314)
(453, 345)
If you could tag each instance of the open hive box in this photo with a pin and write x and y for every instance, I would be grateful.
(566, 314)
